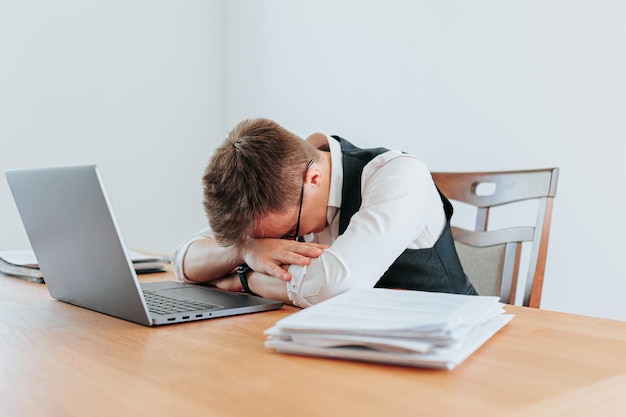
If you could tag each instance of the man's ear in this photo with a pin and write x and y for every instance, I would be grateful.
(314, 176)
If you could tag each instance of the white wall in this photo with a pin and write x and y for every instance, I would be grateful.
(146, 89)
(477, 85)
(133, 86)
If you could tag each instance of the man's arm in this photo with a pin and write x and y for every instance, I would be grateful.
(268, 287)
(400, 209)
(205, 260)
(259, 283)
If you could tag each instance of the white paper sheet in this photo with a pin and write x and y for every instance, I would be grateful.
(393, 326)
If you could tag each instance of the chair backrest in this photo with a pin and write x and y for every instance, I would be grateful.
(491, 258)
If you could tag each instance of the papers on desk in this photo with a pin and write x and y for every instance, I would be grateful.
(400, 327)
(23, 264)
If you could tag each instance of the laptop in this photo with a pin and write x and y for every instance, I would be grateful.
(71, 227)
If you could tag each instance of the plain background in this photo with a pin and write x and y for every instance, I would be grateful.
(148, 89)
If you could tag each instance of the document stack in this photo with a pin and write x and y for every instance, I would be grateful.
(20, 263)
(23, 264)
(412, 328)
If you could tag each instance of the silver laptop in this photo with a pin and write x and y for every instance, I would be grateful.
(81, 253)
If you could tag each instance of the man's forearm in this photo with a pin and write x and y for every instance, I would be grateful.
(268, 287)
(206, 260)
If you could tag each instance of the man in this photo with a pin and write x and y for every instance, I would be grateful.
(305, 220)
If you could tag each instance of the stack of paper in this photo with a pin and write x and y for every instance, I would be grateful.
(23, 264)
(20, 263)
(393, 326)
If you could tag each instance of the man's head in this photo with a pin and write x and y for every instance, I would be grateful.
(258, 170)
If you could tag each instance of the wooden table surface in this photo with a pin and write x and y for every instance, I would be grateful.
(61, 360)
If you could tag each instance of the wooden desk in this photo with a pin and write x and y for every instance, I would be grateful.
(61, 360)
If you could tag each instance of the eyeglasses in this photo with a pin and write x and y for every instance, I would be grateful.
(296, 236)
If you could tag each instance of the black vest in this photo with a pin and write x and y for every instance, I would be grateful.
(436, 269)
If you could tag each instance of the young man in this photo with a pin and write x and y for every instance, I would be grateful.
(305, 220)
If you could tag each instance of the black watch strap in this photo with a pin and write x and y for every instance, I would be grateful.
(242, 271)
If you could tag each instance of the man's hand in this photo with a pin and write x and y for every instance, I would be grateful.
(273, 256)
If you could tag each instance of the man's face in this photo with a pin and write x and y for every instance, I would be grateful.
(307, 217)
(278, 225)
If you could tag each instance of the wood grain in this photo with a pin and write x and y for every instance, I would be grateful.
(61, 360)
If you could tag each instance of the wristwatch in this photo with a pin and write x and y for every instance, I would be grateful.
(242, 270)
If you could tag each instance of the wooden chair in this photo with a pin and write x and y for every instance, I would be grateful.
(491, 258)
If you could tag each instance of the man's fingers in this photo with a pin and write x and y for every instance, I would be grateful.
(270, 255)
(311, 250)
(278, 272)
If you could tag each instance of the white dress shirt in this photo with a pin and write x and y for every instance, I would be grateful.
(400, 209)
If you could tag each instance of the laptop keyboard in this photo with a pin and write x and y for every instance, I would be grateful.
(161, 304)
